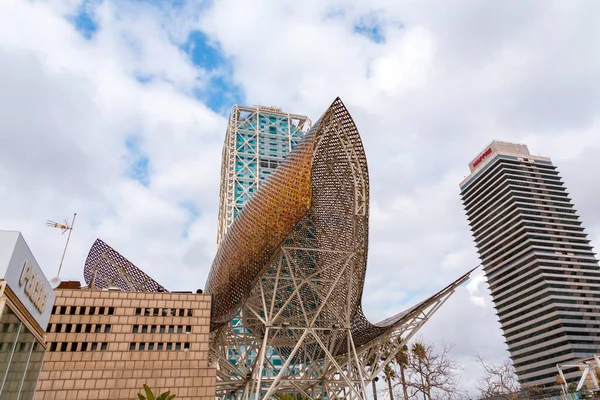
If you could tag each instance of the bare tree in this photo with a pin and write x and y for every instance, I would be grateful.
(431, 373)
(498, 381)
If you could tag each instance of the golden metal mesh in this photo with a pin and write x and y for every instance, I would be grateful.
(317, 200)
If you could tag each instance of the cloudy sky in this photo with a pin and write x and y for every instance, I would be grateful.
(117, 110)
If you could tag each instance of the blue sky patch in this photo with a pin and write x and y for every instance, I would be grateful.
(143, 78)
(203, 53)
(84, 20)
(372, 31)
(138, 168)
(221, 92)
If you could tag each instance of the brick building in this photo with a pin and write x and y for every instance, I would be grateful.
(105, 344)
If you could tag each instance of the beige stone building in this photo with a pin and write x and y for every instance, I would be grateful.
(105, 344)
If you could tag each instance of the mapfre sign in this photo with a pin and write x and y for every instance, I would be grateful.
(24, 277)
(482, 157)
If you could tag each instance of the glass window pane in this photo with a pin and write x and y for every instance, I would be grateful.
(18, 365)
(9, 328)
(33, 370)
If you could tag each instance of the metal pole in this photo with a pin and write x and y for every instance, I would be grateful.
(374, 389)
(66, 245)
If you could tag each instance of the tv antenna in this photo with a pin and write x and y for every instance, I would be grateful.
(64, 227)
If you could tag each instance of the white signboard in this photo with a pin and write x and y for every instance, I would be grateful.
(25, 277)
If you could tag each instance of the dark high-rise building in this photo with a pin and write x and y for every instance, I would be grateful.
(540, 266)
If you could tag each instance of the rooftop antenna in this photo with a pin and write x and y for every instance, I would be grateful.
(65, 227)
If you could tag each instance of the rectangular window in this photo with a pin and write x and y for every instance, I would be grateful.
(104, 346)
(146, 312)
(142, 347)
(94, 346)
(189, 313)
(144, 328)
(135, 328)
(111, 311)
(84, 346)
(162, 329)
(153, 329)
(73, 310)
(101, 310)
(131, 346)
(171, 329)
(88, 328)
(155, 313)
(92, 310)
(138, 311)
(78, 328)
(188, 329)
(58, 328)
(179, 329)
(98, 328)
(150, 346)
(169, 346)
(160, 346)
(62, 310)
(107, 328)
(181, 312)
(69, 328)
(54, 308)
(186, 346)
(177, 346)
(53, 346)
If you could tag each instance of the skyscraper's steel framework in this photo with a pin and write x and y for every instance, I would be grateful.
(257, 140)
(292, 267)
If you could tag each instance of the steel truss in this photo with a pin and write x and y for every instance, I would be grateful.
(318, 354)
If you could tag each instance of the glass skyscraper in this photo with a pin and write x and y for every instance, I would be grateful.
(540, 266)
(257, 140)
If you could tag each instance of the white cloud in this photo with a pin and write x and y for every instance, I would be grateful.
(67, 108)
(474, 288)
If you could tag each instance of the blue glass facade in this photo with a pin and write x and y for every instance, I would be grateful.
(258, 139)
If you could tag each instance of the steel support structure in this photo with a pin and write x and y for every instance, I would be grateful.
(317, 356)
(287, 280)
(589, 369)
